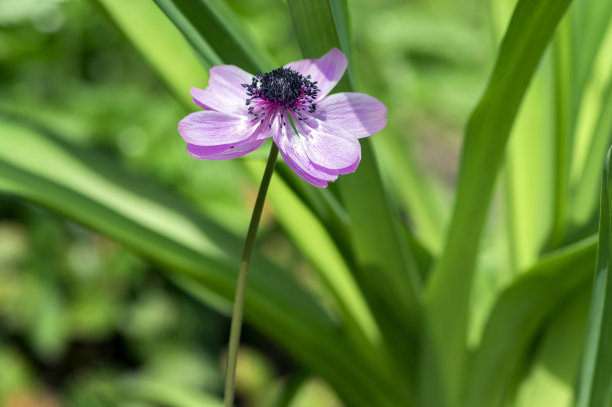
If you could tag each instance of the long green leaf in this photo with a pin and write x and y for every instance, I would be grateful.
(529, 197)
(160, 393)
(595, 388)
(530, 30)
(316, 245)
(592, 18)
(386, 270)
(593, 136)
(160, 43)
(216, 34)
(557, 360)
(46, 170)
(565, 105)
(521, 309)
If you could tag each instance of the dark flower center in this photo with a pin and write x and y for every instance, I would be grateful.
(283, 88)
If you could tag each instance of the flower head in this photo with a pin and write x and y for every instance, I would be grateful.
(244, 110)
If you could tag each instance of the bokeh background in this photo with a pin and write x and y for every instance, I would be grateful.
(85, 321)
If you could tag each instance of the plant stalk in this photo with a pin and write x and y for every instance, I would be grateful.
(237, 313)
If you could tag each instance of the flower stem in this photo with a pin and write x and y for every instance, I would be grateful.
(234, 339)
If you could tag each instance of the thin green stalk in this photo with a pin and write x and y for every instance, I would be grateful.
(234, 339)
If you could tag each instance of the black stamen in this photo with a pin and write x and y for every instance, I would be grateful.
(284, 88)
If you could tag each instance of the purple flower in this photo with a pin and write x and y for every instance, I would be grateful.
(244, 110)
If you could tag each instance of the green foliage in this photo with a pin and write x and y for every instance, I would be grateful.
(595, 385)
(363, 284)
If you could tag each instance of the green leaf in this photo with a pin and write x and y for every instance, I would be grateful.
(160, 393)
(317, 246)
(585, 116)
(386, 271)
(529, 197)
(595, 387)
(160, 43)
(565, 103)
(314, 23)
(41, 168)
(593, 131)
(216, 34)
(533, 24)
(521, 309)
(592, 19)
(557, 359)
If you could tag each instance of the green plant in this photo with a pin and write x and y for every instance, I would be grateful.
(415, 313)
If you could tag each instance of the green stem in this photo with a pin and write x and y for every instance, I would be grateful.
(234, 339)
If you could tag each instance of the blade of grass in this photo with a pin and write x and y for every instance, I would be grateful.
(595, 386)
(447, 303)
(557, 359)
(386, 271)
(593, 136)
(576, 47)
(592, 19)
(160, 43)
(529, 198)
(216, 34)
(565, 105)
(317, 246)
(521, 309)
(160, 393)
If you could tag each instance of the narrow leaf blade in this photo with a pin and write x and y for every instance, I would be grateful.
(386, 272)
(216, 34)
(595, 387)
(531, 27)
(521, 309)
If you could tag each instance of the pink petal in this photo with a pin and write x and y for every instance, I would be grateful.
(224, 152)
(292, 149)
(224, 92)
(329, 147)
(326, 71)
(359, 114)
(210, 128)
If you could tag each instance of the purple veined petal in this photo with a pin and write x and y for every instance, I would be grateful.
(329, 147)
(326, 71)
(224, 152)
(359, 114)
(224, 92)
(291, 148)
(210, 128)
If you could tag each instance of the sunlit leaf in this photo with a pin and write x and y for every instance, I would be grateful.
(216, 33)
(595, 387)
(521, 309)
(554, 370)
(447, 304)
(386, 272)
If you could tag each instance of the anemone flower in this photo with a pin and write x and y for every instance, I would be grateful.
(316, 133)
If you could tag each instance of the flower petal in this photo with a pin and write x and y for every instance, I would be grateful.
(224, 92)
(210, 128)
(329, 147)
(359, 114)
(224, 152)
(326, 71)
(292, 149)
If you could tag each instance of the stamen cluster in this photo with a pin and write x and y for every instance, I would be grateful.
(280, 89)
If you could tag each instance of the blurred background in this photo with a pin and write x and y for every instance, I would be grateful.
(85, 321)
